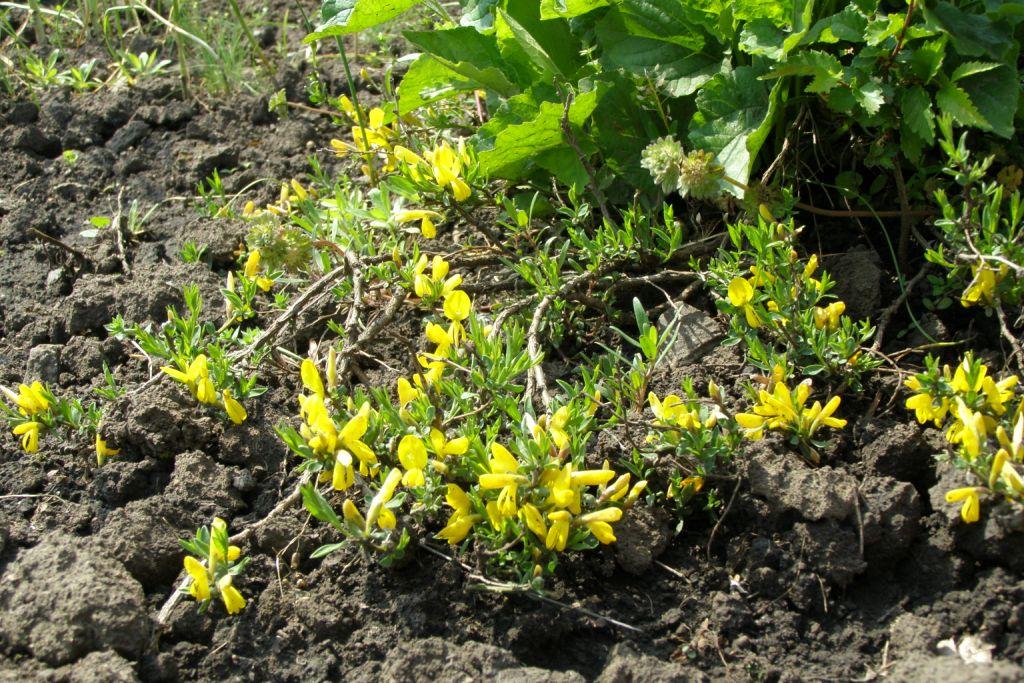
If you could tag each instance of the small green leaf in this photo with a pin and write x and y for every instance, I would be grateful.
(99, 222)
(566, 9)
(325, 550)
(918, 117)
(955, 102)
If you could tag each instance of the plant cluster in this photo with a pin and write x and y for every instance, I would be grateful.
(780, 309)
(211, 567)
(984, 421)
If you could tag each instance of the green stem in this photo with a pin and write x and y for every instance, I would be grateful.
(360, 117)
(252, 40)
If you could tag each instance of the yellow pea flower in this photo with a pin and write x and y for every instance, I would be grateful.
(199, 588)
(412, 453)
(342, 474)
(233, 600)
(425, 217)
(971, 508)
(252, 264)
(103, 451)
(444, 448)
(407, 393)
(30, 399)
(352, 515)
(558, 533)
(311, 378)
(351, 434)
(827, 318)
(462, 519)
(29, 433)
(234, 409)
(377, 513)
(740, 296)
(534, 520)
(457, 306)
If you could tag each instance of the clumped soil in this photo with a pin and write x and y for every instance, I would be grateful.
(849, 571)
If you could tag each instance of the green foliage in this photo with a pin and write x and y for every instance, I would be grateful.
(725, 77)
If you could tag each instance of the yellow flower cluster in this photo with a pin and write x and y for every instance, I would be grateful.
(292, 193)
(32, 401)
(982, 289)
(442, 164)
(375, 136)
(196, 376)
(977, 408)
(787, 411)
(204, 575)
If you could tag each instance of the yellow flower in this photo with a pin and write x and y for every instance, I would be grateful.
(425, 217)
(599, 523)
(534, 520)
(982, 289)
(740, 296)
(558, 533)
(412, 453)
(444, 448)
(462, 519)
(971, 508)
(252, 264)
(311, 378)
(997, 394)
(233, 600)
(197, 378)
(199, 588)
(351, 434)
(29, 433)
(457, 306)
(407, 393)
(377, 513)
(342, 475)
(446, 166)
(352, 515)
(30, 399)
(503, 475)
(435, 284)
(103, 451)
(827, 318)
(786, 410)
(234, 409)
(556, 427)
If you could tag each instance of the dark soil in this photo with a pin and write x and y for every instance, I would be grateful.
(850, 571)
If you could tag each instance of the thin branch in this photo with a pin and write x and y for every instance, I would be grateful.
(570, 138)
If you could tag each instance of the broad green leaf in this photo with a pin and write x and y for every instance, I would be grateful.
(566, 9)
(762, 37)
(678, 71)
(478, 13)
(552, 37)
(972, 34)
(957, 103)
(674, 21)
(469, 53)
(917, 114)
(803, 14)
(735, 115)
(849, 25)
(773, 10)
(882, 28)
(513, 147)
(428, 80)
(341, 17)
(563, 163)
(522, 51)
(995, 93)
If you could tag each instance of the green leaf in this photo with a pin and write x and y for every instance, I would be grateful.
(566, 9)
(773, 10)
(551, 37)
(317, 505)
(870, 96)
(917, 114)
(478, 13)
(678, 71)
(428, 80)
(973, 35)
(469, 53)
(762, 37)
(826, 70)
(734, 117)
(341, 17)
(995, 93)
(849, 25)
(522, 50)
(971, 69)
(325, 550)
(927, 58)
(957, 103)
(677, 21)
(513, 147)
